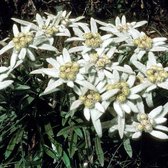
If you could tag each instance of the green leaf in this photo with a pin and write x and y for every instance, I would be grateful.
(50, 152)
(26, 101)
(99, 151)
(66, 160)
(87, 138)
(73, 144)
(65, 131)
(127, 147)
(21, 87)
(57, 146)
(49, 130)
(12, 143)
(78, 131)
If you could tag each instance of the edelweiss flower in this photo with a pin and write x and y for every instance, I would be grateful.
(48, 27)
(63, 70)
(150, 123)
(121, 27)
(23, 44)
(90, 37)
(94, 103)
(51, 26)
(125, 97)
(100, 62)
(145, 44)
(153, 76)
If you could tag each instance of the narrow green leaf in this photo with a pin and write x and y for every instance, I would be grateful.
(57, 147)
(50, 152)
(12, 143)
(78, 131)
(127, 147)
(99, 151)
(66, 160)
(73, 144)
(49, 130)
(21, 87)
(87, 138)
(65, 131)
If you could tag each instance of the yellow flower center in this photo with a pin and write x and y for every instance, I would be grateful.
(144, 123)
(103, 61)
(22, 40)
(123, 93)
(123, 28)
(100, 62)
(69, 71)
(92, 39)
(50, 30)
(143, 42)
(94, 57)
(156, 74)
(90, 98)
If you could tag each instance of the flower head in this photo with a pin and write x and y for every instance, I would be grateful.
(150, 123)
(89, 36)
(64, 70)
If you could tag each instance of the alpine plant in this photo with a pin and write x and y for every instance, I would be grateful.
(113, 70)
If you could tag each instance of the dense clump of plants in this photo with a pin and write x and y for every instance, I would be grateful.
(69, 88)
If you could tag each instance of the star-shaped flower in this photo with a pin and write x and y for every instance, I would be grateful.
(90, 37)
(150, 123)
(64, 70)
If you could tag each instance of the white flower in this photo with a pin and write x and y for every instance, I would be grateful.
(121, 27)
(63, 70)
(150, 123)
(90, 37)
(126, 98)
(145, 44)
(23, 45)
(94, 103)
(51, 26)
(100, 62)
(153, 76)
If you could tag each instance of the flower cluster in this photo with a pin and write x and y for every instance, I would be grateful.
(101, 64)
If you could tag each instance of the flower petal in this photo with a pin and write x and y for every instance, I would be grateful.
(5, 84)
(118, 109)
(158, 134)
(15, 30)
(86, 113)
(107, 95)
(93, 26)
(6, 48)
(155, 112)
(136, 135)
(161, 127)
(121, 126)
(99, 107)
(126, 108)
(13, 59)
(75, 104)
(52, 87)
(132, 106)
(22, 53)
(160, 120)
